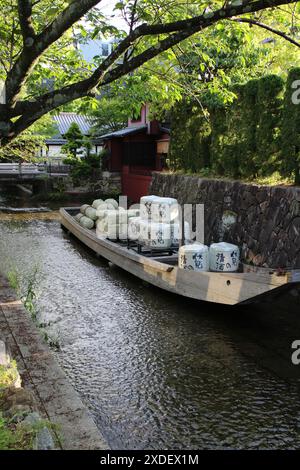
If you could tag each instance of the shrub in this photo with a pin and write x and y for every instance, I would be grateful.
(290, 129)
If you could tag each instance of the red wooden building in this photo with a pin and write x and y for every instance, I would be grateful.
(135, 152)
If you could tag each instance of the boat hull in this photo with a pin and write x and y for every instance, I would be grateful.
(223, 288)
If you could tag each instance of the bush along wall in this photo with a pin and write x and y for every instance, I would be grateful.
(290, 131)
(190, 138)
(258, 134)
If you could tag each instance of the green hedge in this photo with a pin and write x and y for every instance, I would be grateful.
(290, 131)
(258, 134)
(190, 138)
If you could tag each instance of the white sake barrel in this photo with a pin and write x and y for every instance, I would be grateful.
(91, 213)
(165, 210)
(145, 206)
(224, 257)
(123, 230)
(194, 257)
(155, 235)
(133, 213)
(86, 222)
(134, 228)
(112, 202)
(97, 203)
(176, 233)
(84, 208)
(78, 216)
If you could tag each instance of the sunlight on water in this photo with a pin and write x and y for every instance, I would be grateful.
(155, 370)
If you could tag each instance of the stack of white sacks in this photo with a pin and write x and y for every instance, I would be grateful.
(219, 257)
(158, 226)
(111, 221)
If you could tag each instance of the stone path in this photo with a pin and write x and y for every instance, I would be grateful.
(56, 398)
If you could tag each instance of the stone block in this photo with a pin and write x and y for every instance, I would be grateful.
(44, 440)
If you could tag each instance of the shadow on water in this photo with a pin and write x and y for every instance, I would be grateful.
(157, 370)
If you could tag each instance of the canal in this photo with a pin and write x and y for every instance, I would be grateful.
(155, 370)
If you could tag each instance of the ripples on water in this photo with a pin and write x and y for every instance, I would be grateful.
(155, 370)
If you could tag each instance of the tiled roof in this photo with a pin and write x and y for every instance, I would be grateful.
(64, 120)
(124, 132)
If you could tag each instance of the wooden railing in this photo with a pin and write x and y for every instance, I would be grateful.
(19, 169)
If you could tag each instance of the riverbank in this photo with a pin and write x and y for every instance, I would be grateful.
(43, 379)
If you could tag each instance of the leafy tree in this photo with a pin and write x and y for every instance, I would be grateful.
(110, 115)
(36, 42)
(25, 148)
(75, 139)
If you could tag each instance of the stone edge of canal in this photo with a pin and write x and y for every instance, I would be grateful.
(57, 400)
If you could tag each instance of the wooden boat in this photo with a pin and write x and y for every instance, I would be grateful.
(162, 271)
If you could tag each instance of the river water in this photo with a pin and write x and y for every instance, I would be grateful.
(155, 370)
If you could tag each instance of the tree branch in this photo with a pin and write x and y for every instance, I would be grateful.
(268, 28)
(25, 11)
(104, 74)
(29, 55)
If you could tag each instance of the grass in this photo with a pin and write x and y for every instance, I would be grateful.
(26, 290)
(21, 436)
(13, 435)
(8, 375)
(16, 436)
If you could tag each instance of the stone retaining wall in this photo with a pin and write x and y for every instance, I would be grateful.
(263, 220)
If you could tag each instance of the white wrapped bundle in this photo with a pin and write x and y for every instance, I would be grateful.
(112, 202)
(224, 257)
(176, 233)
(146, 206)
(86, 222)
(103, 210)
(165, 210)
(78, 216)
(124, 215)
(84, 208)
(134, 228)
(113, 216)
(194, 257)
(112, 232)
(101, 225)
(101, 214)
(101, 207)
(104, 230)
(91, 213)
(155, 235)
(97, 203)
